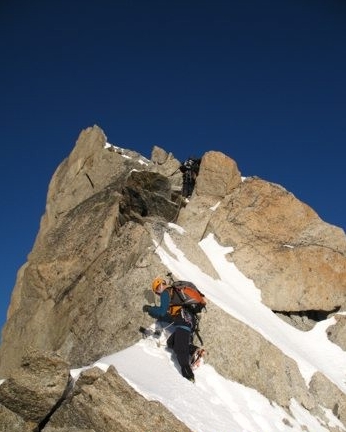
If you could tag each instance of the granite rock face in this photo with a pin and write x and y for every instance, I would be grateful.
(40, 396)
(79, 295)
(35, 388)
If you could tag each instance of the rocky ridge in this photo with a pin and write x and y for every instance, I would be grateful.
(79, 295)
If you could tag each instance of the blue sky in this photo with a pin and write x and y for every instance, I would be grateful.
(261, 81)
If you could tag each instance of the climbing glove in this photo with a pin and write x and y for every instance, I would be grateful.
(146, 308)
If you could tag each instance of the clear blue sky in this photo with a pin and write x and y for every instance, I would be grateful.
(261, 81)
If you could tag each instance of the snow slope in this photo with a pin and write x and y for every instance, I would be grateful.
(213, 403)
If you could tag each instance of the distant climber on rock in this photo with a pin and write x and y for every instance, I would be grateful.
(190, 170)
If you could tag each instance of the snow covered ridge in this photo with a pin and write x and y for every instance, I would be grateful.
(215, 403)
(127, 154)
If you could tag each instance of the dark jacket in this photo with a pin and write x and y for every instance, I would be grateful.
(190, 164)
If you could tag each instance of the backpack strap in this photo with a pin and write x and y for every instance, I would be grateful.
(173, 309)
(197, 329)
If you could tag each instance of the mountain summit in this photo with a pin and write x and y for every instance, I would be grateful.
(115, 220)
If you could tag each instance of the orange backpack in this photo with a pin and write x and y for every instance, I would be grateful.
(186, 294)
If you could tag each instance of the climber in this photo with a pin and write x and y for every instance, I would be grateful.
(190, 169)
(181, 340)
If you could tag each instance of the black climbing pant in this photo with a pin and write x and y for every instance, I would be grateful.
(181, 343)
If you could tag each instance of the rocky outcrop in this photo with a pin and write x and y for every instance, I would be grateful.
(337, 332)
(79, 295)
(296, 259)
(40, 396)
(90, 253)
(125, 409)
(34, 389)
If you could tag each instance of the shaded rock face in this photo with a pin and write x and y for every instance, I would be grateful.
(147, 194)
(80, 293)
